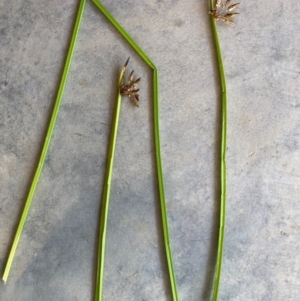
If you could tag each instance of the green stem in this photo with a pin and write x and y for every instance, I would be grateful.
(142, 54)
(125, 35)
(47, 141)
(223, 157)
(106, 194)
(161, 189)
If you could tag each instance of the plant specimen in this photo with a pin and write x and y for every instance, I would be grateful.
(141, 53)
(130, 89)
(106, 189)
(219, 12)
(47, 141)
(224, 11)
(132, 93)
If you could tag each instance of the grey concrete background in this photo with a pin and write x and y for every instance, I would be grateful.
(56, 258)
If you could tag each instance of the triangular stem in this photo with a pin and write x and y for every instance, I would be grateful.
(47, 141)
(223, 156)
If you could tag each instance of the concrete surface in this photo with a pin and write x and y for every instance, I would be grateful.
(56, 258)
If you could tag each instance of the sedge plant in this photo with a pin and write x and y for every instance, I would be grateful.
(142, 54)
(223, 11)
(43, 156)
(46, 142)
(106, 189)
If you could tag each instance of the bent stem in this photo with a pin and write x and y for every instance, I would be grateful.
(147, 60)
(106, 191)
(161, 189)
(223, 157)
(47, 141)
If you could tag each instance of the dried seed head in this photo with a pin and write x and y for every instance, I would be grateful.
(221, 11)
(130, 89)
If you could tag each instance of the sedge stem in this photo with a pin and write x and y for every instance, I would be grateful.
(147, 60)
(223, 156)
(47, 141)
(106, 191)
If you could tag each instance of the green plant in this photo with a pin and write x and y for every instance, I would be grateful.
(47, 141)
(49, 135)
(106, 189)
(142, 54)
(221, 11)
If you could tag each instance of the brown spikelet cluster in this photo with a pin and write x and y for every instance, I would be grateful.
(224, 11)
(130, 89)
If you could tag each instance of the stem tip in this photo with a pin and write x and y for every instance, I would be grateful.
(127, 62)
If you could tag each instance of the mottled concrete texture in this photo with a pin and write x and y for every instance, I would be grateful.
(55, 259)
